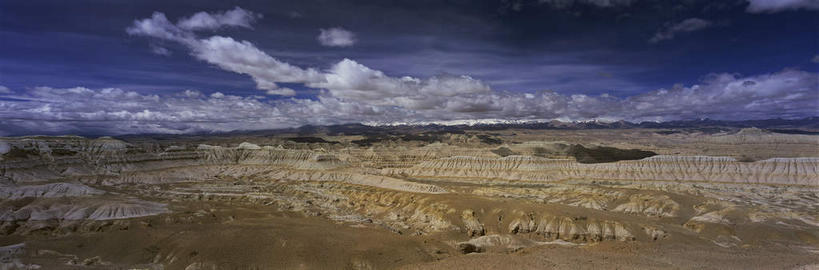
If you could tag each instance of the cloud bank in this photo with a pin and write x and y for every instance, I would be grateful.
(349, 91)
(786, 94)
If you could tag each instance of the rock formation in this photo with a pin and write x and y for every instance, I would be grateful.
(466, 193)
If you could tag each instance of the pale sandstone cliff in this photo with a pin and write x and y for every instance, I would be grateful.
(795, 171)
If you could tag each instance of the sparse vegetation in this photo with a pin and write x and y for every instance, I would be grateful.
(541, 152)
(308, 139)
(62, 152)
(603, 154)
(20, 153)
(504, 152)
(745, 158)
(489, 140)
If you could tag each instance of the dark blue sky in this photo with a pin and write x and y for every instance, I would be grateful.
(83, 43)
(587, 47)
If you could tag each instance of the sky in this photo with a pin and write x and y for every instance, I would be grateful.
(124, 67)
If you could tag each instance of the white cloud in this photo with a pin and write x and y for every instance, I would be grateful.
(350, 80)
(237, 17)
(236, 56)
(687, 25)
(116, 111)
(449, 86)
(4, 90)
(192, 93)
(244, 58)
(159, 26)
(728, 96)
(336, 37)
(772, 6)
(353, 92)
(347, 79)
(786, 94)
(282, 92)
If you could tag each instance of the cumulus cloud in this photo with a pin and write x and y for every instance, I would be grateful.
(772, 6)
(237, 17)
(244, 58)
(282, 92)
(117, 111)
(815, 59)
(785, 94)
(159, 26)
(687, 25)
(4, 90)
(346, 79)
(336, 37)
(232, 55)
(353, 92)
(350, 80)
